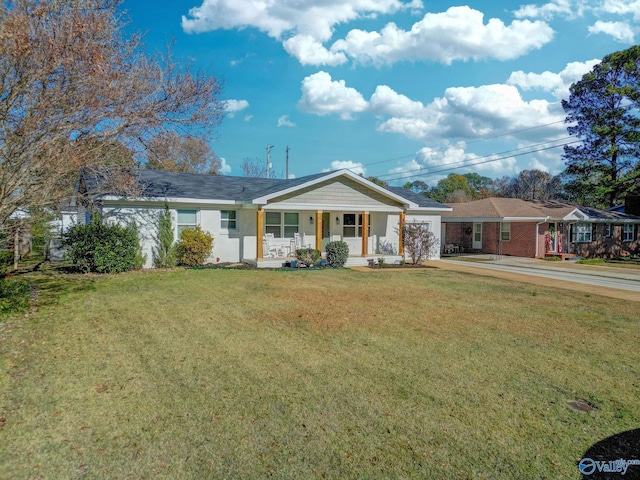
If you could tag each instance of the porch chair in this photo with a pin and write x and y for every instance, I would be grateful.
(300, 241)
(273, 250)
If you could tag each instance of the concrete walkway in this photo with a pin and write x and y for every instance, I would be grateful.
(609, 281)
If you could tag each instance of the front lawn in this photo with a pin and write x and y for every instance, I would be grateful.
(313, 374)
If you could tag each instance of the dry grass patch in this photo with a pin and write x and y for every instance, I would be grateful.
(328, 374)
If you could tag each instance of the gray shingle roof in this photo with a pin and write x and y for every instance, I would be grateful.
(421, 200)
(160, 184)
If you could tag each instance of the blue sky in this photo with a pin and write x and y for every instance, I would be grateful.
(400, 89)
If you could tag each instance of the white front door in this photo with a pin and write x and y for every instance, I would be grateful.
(477, 236)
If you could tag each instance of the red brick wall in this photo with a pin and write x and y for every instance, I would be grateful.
(522, 243)
(608, 247)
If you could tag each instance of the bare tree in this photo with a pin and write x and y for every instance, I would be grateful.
(181, 153)
(531, 185)
(254, 168)
(75, 89)
(419, 242)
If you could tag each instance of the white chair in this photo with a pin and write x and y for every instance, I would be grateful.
(300, 241)
(272, 249)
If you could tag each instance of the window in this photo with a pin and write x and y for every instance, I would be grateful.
(290, 224)
(607, 230)
(477, 232)
(277, 223)
(273, 222)
(627, 232)
(187, 219)
(505, 231)
(581, 233)
(228, 219)
(349, 226)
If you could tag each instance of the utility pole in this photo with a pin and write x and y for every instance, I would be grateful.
(269, 147)
(287, 165)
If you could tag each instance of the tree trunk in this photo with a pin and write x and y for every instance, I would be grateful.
(16, 248)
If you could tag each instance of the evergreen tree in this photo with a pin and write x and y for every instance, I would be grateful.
(165, 256)
(603, 113)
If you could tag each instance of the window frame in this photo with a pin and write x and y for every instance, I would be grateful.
(356, 226)
(628, 236)
(582, 232)
(180, 226)
(229, 223)
(505, 233)
(285, 227)
(608, 230)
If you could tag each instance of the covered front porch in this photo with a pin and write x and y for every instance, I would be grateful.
(368, 234)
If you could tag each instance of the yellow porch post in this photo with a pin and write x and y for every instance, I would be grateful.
(319, 230)
(259, 228)
(365, 234)
(401, 234)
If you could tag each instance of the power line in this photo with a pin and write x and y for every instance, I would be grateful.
(512, 132)
(403, 177)
(462, 163)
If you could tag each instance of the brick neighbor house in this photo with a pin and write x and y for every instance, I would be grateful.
(511, 226)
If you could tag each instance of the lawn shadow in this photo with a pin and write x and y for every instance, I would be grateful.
(604, 459)
(50, 281)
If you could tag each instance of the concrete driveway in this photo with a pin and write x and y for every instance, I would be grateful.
(623, 283)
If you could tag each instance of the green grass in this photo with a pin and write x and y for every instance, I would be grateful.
(591, 261)
(323, 374)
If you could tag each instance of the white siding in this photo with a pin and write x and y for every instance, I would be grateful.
(337, 192)
(434, 226)
(145, 218)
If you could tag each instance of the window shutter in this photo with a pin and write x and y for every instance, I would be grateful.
(572, 233)
(593, 232)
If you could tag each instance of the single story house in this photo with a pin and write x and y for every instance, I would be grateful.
(263, 220)
(511, 226)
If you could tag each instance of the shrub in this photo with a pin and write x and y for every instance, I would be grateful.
(6, 260)
(419, 242)
(194, 246)
(14, 296)
(307, 256)
(101, 247)
(337, 254)
(165, 255)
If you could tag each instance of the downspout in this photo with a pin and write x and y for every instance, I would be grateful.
(538, 234)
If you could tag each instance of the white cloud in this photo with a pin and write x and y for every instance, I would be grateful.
(622, 7)
(305, 25)
(409, 169)
(247, 118)
(225, 168)
(284, 121)
(433, 164)
(457, 34)
(323, 96)
(556, 83)
(386, 101)
(621, 31)
(291, 17)
(233, 106)
(355, 167)
(473, 112)
(311, 52)
(552, 9)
